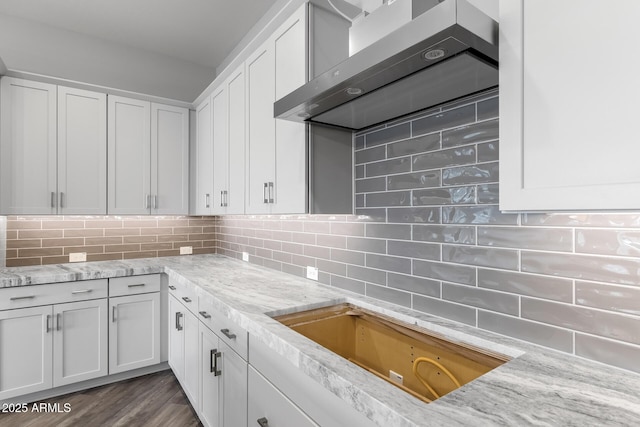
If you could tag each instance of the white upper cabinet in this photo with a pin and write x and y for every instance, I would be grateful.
(28, 147)
(169, 159)
(276, 150)
(221, 166)
(82, 152)
(129, 156)
(148, 158)
(567, 73)
(203, 159)
(53, 149)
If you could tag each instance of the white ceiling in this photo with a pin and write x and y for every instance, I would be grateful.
(198, 32)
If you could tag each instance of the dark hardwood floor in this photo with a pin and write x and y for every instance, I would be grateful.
(151, 400)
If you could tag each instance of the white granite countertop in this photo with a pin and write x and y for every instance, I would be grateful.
(538, 386)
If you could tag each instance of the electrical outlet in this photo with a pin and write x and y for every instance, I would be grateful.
(312, 273)
(245, 256)
(77, 257)
(396, 377)
(186, 250)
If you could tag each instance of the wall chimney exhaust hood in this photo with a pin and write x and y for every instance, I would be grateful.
(447, 52)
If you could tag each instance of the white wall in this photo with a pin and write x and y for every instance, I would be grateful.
(41, 49)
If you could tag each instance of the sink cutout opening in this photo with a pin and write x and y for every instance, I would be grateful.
(418, 361)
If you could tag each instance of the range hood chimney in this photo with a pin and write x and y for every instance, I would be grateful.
(447, 52)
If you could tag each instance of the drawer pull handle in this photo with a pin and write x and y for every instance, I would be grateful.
(178, 317)
(137, 285)
(173, 288)
(263, 422)
(58, 322)
(186, 299)
(228, 334)
(19, 298)
(213, 362)
(113, 313)
(48, 323)
(205, 314)
(83, 291)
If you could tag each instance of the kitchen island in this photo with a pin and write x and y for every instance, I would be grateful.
(538, 386)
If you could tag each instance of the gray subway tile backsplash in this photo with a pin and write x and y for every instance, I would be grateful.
(547, 278)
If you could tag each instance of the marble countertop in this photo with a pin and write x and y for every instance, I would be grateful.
(538, 386)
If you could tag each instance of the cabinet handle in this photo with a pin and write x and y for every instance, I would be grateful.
(61, 199)
(213, 362)
(263, 422)
(19, 298)
(58, 322)
(178, 317)
(205, 314)
(53, 199)
(48, 323)
(186, 299)
(82, 291)
(113, 314)
(221, 198)
(264, 192)
(271, 192)
(226, 198)
(137, 285)
(228, 334)
(173, 288)
(155, 201)
(206, 200)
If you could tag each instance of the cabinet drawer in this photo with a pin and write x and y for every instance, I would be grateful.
(120, 286)
(186, 294)
(228, 331)
(54, 293)
(267, 402)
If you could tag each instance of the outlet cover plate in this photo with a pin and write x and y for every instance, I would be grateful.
(186, 250)
(78, 257)
(312, 273)
(245, 256)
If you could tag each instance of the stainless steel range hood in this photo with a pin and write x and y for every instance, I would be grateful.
(448, 52)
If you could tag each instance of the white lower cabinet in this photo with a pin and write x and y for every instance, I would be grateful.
(52, 335)
(223, 390)
(79, 341)
(268, 407)
(183, 348)
(26, 348)
(134, 332)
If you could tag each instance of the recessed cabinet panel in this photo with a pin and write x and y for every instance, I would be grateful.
(129, 154)
(234, 202)
(82, 152)
(27, 147)
(80, 341)
(169, 160)
(565, 137)
(26, 348)
(204, 159)
(208, 407)
(221, 162)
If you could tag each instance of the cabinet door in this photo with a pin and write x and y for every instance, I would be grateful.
(566, 142)
(267, 402)
(134, 332)
(234, 387)
(82, 152)
(290, 192)
(80, 341)
(204, 159)
(220, 105)
(169, 160)
(26, 349)
(191, 381)
(176, 337)
(27, 147)
(129, 153)
(209, 405)
(261, 128)
(237, 131)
